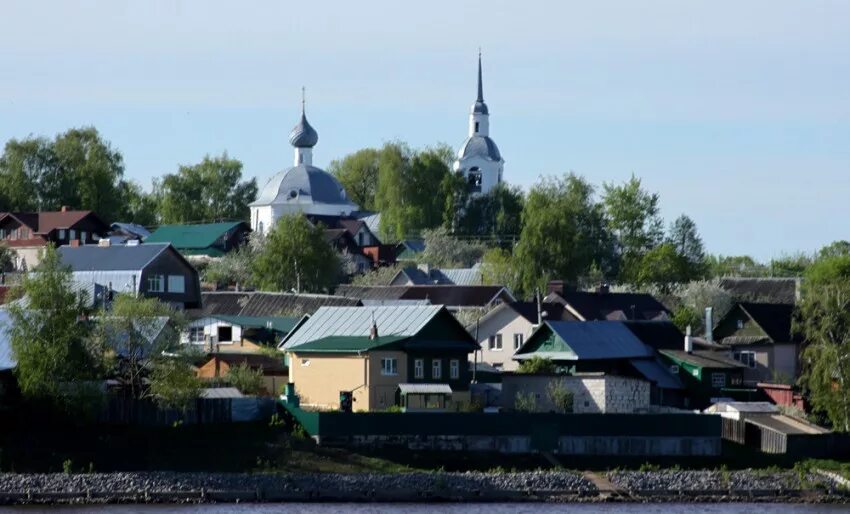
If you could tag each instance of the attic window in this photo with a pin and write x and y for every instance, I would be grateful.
(740, 324)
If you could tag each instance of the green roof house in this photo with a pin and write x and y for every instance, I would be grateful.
(706, 373)
(205, 240)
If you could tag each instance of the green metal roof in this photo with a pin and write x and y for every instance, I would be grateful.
(276, 323)
(346, 344)
(191, 237)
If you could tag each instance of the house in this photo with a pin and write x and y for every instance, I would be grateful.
(602, 304)
(407, 250)
(707, 374)
(592, 393)
(608, 347)
(275, 374)
(760, 335)
(120, 233)
(153, 270)
(424, 275)
(763, 289)
(222, 333)
(29, 232)
(203, 240)
(262, 304)
(354, 235)
(453, 297)
(342, 241)
(504, 329)
(371, 352)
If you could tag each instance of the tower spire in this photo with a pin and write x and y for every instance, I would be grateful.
(303, 100)
(480, 86)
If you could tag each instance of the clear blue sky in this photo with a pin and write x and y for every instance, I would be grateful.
(736, 112)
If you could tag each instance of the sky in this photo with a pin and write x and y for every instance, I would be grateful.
(737, 113)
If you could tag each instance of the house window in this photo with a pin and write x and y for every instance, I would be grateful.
(360, 239)
(2, 233)
(305, 362)
(454, 369)
(718, 380)
(196, 335)
(748, 358)
(72, 234)
(496, 342)
(518, 340)
(674, 369)
(436, 368)
(83, 236)
(389, 366)
(419, 368)
(61, 234)
(735, 380)
(740, 324)
(225, 334)
(176, 284)
(13, 234)
(156, 283)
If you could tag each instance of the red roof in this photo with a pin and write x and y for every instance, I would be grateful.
(44, 222)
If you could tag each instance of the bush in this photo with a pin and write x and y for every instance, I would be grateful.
(245, 379)
(525, 402)
(537, 366)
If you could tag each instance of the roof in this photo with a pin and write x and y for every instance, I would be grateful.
(221, 393)
(771, 290)
(110, 258)
(357, 321)
(303, 135)
(775, 319)
(192, 237)
(304, 184)
(450, 295)
(425, 388)
(528, 310)
(371, 219)
(130, 228)
(347, 344)
(479, 146)
(261, 303)
(591, 340)
(612, 306)
(44, 222)
(658, 334)
(657, 373)
(413, 245)
(703, 358)
(443, 276)
(759, 407)
(785, 424)
(278, 323)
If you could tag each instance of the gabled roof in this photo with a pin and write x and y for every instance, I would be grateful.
(261, 303)
(657, 373)
(661, 335)
(44, 222)
(775, 319)
(131, 229)
(349, 344)
(192, 237)
(590, 340)
(282, 324)
(442, 276)
(450, 295)
(611, 306)
(762, 289)
(703, 358)
(110, 258)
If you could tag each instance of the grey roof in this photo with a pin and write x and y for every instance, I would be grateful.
(259, 303)
(221, 392)
(762, 289)
(303, 135)
(6, 359)
(598, 340)
(448, 276)
(480, 146)
(304, 184)
(110, 258)
(131, 228)
(425, 388)
(656, 373)
(357, 321)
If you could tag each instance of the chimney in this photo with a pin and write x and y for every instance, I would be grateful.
(104, 243)
(709, 324)
(603, 288)
(539, 307)
(373, 330)
(689, 343)
(555, 286)
(64, 208)
(75, 243)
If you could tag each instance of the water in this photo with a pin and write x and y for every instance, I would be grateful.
(441, 508)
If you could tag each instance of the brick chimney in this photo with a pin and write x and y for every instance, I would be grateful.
(64, 208)
(74, 243)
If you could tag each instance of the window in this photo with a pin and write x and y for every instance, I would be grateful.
(360, 239)
(718, 380)
(735, 380)
(674, 369)
(389, 366)
(61, 234)
(176, 284)
(496, 342)
(454, 368)
(476, 126)
(740, 323)
(260, 229)
(225, 334)
(196, 335)
(518, 340)
(72, 234)
(83, 236)
(155, 284)
(2, 233)
(305, 362)
(748, 358)
(419, 368)
(474, 181)
(436, 369)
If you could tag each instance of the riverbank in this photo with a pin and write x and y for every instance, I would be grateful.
(543, 486)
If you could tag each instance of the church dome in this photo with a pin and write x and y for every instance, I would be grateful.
(480, 107)
(303, 135)
(479, 146)
(304, 184)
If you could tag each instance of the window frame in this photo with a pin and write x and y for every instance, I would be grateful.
(495, 343)
(436, 369)
(519, 340)
(182, 283)
(156, 279)
(419, 368)
(192, 335)
(454, 369)
(392, 369)
(714, 379)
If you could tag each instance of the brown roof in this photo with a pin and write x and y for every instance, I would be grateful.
(612, 306)
(259, 303)
(44, 222)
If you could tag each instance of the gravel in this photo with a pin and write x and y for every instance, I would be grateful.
(743, 480)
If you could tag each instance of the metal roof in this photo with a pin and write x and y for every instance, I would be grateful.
(303, 134)
(221, 392)
(347, 344)
(703, 358)
(110, 258)
(278, 323)
(131, 228)
(357, 321)
(194, 237)
(657, 373)
(600, 339)
(265, 304)
(304, 184)
(480, 146)
(425, 388)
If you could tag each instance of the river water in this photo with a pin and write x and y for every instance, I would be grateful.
(441, 508)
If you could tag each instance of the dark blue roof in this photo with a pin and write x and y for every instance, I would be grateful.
(110, 258)
(657, 373)
(600, 339)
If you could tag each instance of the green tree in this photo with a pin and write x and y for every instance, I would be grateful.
(137, 206)
(792, 265)
(560, 395)
(173, 383)
(245, 379)
(537, 366)
(236, 267)
(834, 249)
(633, 216)
(498, 213)
(498, 268)
(209, 191)
(447, 251)
(22, 166)
(296, 257)
(662, 266)
(563, 233)
(7, 258)
(358, 174)
(688, 244)
(377, 277)
(685, 316)
(695, 297)
(56, 359)
(735, 266)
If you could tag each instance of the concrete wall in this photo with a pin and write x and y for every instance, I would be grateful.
(591, 394)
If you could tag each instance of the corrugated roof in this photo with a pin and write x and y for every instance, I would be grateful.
(357, 321)
(703, 358)
(599, 339)
(221, 392)
(661, 335)
(44, 222)
(451, 295)
(261, 303)
(425, 388)
(131, 228)
(762, 289)
(110, 258)
(613, 306)
(279, 323)
(185, 237)
(347, 344)
(657, 373)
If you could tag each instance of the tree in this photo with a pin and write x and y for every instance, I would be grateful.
(237, 266)
(138, 206)
(296, 257)
(8, 258)
(22, 166)
(688, 244)
(173, 383)
(377, 277)
(525, 402)
(734, 266)
(498, 213)
(56, 359)
(245, 379)
(695, 297)
(358, 174)
(793, 265)
(498, 269)
(536, 366)
(208, 191)
(662, 266)
(563, 233)
(445, 250)
(633, 217)
(834, 249)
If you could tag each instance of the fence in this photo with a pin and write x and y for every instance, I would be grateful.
(127, 411)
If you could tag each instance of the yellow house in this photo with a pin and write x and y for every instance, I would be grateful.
(380, 354)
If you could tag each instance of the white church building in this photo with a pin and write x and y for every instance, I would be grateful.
(478, 158)
(303, 188)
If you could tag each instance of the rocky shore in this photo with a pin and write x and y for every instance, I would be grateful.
(167, 487)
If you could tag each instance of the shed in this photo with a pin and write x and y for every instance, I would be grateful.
(424, 397)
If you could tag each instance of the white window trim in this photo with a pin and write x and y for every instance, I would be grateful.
(419, 368)
(518, 336)
(437, 369)
(454, 369)
(195, 330)
(161, 282)
(393, 368)
(495, 343)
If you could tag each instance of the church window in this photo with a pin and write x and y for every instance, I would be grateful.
(260, 225)
(476, 126)
(474, 181)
